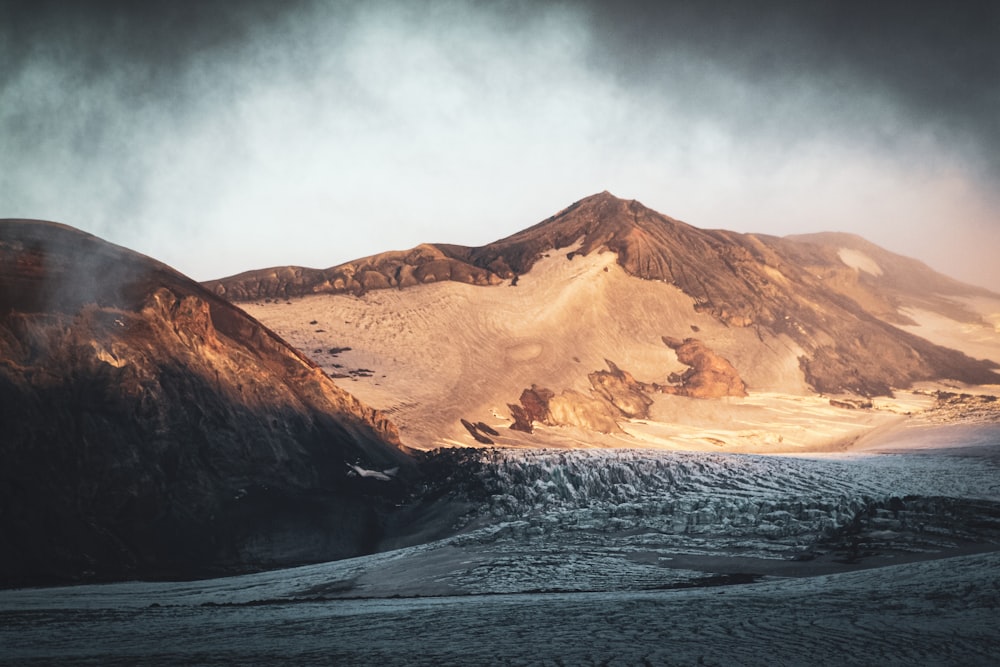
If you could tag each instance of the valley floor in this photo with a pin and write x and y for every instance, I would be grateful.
(604, 557)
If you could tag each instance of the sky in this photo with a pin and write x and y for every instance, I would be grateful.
(221, 136)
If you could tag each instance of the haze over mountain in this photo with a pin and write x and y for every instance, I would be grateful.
(150, 428)
(435, 334)
(260, 122)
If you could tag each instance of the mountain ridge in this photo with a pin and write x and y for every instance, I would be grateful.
(812, 288)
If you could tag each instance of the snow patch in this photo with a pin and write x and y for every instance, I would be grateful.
(859, 261)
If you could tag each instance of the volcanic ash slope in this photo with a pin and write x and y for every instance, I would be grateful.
(447, 351)
(612, 321)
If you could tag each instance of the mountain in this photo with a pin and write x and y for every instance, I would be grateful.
(150, 428)
(426, 263)
(607, 301)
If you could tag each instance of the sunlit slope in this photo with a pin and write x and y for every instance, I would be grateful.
(448, 351)
(978, 337)
(837, 296)
(617, 317)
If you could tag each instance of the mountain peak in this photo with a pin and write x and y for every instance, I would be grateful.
(603, 195)
(599, 222)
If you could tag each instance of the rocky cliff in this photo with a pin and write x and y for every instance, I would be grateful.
(150, 428)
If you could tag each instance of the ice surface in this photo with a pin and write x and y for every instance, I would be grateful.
(599, 557)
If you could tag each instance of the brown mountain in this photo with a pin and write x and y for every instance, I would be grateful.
(150, 428)
(426, 263)
(837, 296)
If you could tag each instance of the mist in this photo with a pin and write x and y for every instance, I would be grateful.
(222, 137)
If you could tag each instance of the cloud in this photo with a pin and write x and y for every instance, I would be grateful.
(933, 64)
(221, 137)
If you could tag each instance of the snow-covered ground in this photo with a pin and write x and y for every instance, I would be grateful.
(929, 613)
(602, 557)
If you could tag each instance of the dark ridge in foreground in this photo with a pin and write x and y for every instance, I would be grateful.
(152, 429)
(808, 288)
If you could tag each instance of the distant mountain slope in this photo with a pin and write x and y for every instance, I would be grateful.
(836, 296)
(424, 264)
(149, 428)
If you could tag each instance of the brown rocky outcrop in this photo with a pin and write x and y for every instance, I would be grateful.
(149, 428)
(708, 375)
(615, 394)
(533, 407)
(521, 422)
(570, 408)
(588, 411)
(621, 390)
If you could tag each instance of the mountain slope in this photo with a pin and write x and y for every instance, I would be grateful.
(801, 286)
(153, 429)
(813, 289)
(426, 263)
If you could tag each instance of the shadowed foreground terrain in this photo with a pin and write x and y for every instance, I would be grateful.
(602, 557)
(151, 429)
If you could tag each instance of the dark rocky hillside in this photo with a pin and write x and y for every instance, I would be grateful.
(149, 428)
